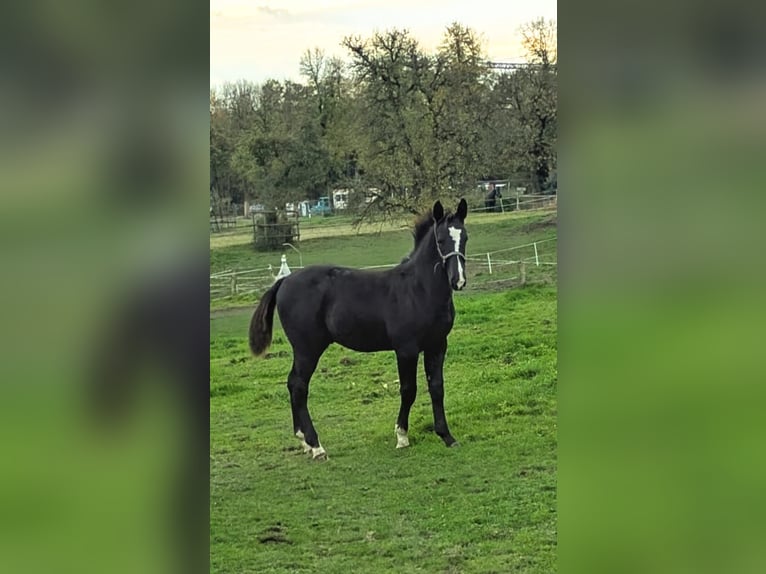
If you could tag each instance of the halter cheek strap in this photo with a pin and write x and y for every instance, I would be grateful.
(439, 251)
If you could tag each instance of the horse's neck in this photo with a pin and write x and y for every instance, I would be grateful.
(429, 269)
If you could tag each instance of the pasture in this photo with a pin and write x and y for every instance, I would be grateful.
(486, 506)
(390, 243)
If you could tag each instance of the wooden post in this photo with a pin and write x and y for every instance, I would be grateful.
(489, 262)
(537, 259)
(234, 282)
(523, 271)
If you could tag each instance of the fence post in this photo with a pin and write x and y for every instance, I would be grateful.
(523, 273)
(489, 262)
(537, 259)
(234, 282)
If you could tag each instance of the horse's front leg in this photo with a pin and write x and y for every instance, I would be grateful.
(407, 363)
(433, 361)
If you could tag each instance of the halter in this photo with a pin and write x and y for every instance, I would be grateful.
(439, 251)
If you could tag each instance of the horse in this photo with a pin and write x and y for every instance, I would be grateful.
(490, 200)
(407, 309)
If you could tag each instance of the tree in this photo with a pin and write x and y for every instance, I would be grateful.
(330, 94)
(539, 39)
(413, 125)
(461, 119)
(422, 115)
(524, 113)
(224, 181)
(538, 100)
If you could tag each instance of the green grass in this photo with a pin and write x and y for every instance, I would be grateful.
(313, 228)
(487, 506)
(488, 232)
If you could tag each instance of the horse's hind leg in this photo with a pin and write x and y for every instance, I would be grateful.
(296, 419)
(298, 381)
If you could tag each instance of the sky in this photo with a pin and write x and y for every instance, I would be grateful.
(261, 39)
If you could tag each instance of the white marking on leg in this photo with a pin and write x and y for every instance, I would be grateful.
(304, 444)
(318, 453)
(401, 437)
(455, 234)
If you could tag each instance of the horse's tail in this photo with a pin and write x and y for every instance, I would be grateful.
(263, 321)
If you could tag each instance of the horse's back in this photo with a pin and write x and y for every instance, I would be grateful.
(322, 304)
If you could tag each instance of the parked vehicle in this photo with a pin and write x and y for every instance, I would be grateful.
(322, 206)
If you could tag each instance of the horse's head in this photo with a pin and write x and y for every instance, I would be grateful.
(451, 237)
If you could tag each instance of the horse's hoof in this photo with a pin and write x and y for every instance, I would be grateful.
(318, 453)
(453, 444)
(402, 441)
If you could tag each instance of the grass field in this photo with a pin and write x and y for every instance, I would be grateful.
(371, 246)
(487, 506)
(310, 229)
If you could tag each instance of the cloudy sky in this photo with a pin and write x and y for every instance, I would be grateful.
(260, 39)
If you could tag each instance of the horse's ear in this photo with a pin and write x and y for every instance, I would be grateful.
(462, 209)
(438, 211)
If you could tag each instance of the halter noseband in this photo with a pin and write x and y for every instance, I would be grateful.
(439, 251)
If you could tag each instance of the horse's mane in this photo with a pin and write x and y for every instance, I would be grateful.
(423, 225)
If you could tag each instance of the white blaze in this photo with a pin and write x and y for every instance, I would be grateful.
(455, 234)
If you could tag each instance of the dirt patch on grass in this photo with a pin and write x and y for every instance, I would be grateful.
(274, 535)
